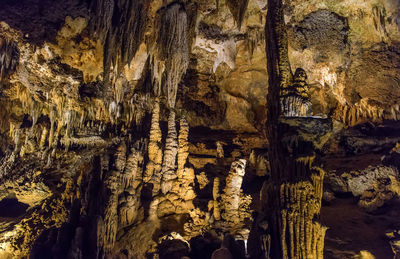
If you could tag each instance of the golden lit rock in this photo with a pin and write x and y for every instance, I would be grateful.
(188, 129)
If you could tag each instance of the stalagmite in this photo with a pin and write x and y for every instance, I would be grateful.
(129, 199)
(120, 161)
(131, 169)
(231, 195)
(43, 137)
(183, 147)
(183, 186)
(220, 149)
(110, 212)
(153, 167)
(170, 154)
(301, 203)
(216, 199)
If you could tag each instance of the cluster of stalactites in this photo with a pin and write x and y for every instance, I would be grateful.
(120, 25)
(295, 99)
(238, 8)
(364, 111)
(71, 123)
(9, 57)
(172, 50)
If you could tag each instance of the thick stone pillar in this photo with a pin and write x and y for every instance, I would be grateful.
(291, 199)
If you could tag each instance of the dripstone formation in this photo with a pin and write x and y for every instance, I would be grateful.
(295, 99)
(180, 129)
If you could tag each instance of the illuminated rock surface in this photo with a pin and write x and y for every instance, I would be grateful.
(146, 128)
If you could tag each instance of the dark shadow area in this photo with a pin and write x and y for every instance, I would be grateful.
(12, 208)
(146, 198)
(40, 20)
(351, 229)
(173, 249)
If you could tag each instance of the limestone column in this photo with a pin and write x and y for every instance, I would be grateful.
(292, 197)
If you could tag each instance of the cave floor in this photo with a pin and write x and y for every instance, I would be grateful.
(351, 229)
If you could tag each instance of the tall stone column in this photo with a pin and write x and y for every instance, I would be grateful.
(291, 199)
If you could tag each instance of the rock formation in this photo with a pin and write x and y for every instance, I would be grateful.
(178, 129)
(292, 199)
(295, 99)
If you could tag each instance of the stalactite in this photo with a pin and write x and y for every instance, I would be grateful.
(30, 143)
(113, 111)
(35, 113)
(157, 75)
(255, 37)
(119, 86)
(17, 141)
(379, 17)
(363, 111)
(69, 118)
(9, 57)
(90, 141)
(172, 45)
(238, 8)
(120, 25)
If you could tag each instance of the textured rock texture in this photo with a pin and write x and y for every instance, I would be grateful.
(134, 129)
